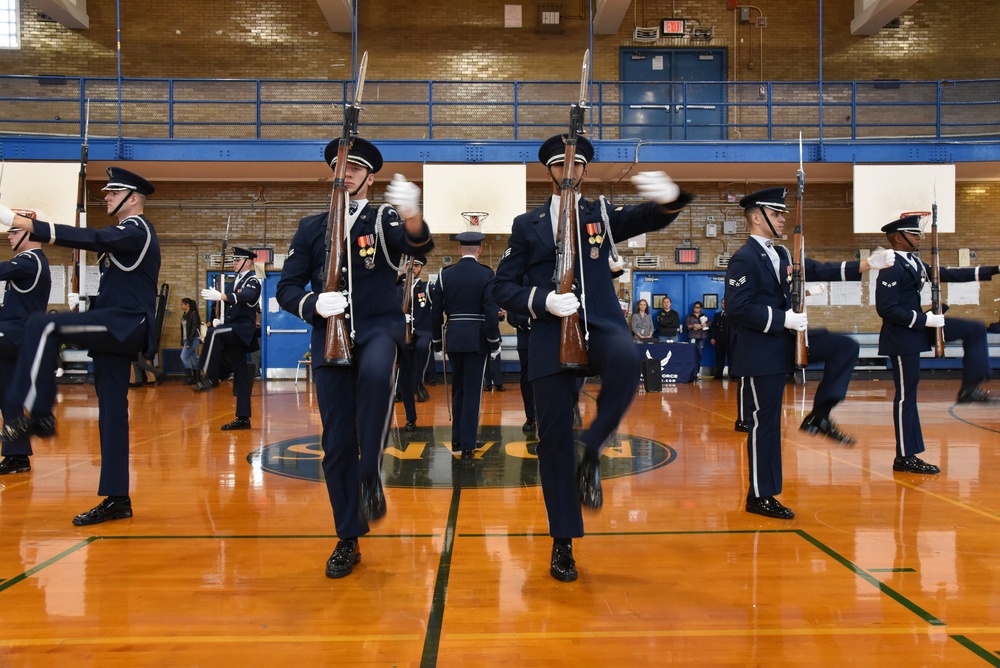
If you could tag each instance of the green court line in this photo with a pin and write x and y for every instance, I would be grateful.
(48, 562)
(435, 622)
(864, 575)
(978, 650)
(892, 570)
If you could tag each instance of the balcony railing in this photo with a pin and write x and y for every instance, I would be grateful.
(231, 109)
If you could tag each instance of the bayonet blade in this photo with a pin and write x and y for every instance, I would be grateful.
(359, 88)
(584, 78)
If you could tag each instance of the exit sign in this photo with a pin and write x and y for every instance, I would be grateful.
(672, 27)
(686, 255)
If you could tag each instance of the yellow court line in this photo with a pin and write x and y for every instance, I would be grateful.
(201, 640)
(712, 633)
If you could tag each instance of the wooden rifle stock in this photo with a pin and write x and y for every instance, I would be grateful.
(408, 303)
(936, 305)
(338, 348)
(81, 197)
(572, 350)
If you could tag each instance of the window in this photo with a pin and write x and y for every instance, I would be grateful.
(9, 38)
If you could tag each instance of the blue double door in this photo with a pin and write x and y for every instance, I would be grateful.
(660, 102)
(684, 289)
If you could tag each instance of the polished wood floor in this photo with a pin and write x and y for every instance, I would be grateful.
(223, 563)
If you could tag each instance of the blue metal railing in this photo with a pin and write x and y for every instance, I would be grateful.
(516, 110)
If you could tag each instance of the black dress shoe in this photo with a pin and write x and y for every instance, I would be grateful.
(28, 425)
(742, 426)
(588, 476)
(500, 388)
(396, 398)
(468, 454)
(563, 566)
(204, 385)
(455, 447)
(107, 509)
(768, 506)
(974, 395)
(577, 420)
(529, 426)
(372, 500)
(913, 464)
(422, 395)
(345, 555)
(826, 427)
(238, 423)
(15, 464)
(410, 426)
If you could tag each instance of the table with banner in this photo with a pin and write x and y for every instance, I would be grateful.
(679, 362)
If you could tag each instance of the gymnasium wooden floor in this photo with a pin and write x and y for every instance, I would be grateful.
(223, 563)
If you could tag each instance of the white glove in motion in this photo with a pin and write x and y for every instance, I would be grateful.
(882, 258)
(6, 216)
(656, 187)
(216, 322)
(561, 305)
(403, 196)
(329, 304)
(211, 294)
(73, 300)
(816, 289)
(495, 353)
(934, 320)
(795, 321)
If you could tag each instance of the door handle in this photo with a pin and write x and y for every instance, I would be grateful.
(701, 106)
(665, 107)
(285, 331)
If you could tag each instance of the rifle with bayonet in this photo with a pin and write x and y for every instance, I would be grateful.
(572, 348)
(936, 304)
(81, 197)
(338, 345)
(798, 269)
(408, 302)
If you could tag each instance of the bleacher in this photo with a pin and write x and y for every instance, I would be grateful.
(869, 360)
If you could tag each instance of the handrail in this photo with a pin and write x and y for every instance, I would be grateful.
(959, 110)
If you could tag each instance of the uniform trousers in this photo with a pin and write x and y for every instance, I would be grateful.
(34, 383)
(223, 341)
(12, 409)
(761, 398)
(616, 359)
(975, 363)
(905, 417)
(466, 395)
(412, 363)
(527, 393)
(839, 355)
(355, 406)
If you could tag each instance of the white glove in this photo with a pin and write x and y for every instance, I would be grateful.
(561, 305)
(73, 300)
(656, 187)
(495, 353)
(616, 266)
(216, 322)
(211, 294)
(329, 304)
(795, 321)
(6, 216)
(934, 320)
(403, 196)
(408, 317)
(704, 320)
(816, 289)
(882, 259)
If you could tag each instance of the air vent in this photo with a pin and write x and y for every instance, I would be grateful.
(647, 261)
(646, 34)
(722, 261)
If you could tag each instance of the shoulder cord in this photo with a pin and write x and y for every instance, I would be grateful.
(583, 283)
(142, 255)
(38, 275)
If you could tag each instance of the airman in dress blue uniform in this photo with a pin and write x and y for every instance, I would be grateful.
(524, 286)
(117, 327)
(907, 331)
(27, 291)
(355, 402)
(464, 293)
(234, 337)
(413, 358)
(762, 327)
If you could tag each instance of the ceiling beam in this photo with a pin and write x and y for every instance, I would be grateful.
(338, 14)
(70, 13)
(870, 16)
(609, 15)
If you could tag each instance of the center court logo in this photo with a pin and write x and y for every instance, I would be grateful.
(423, 458)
